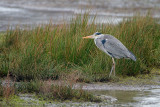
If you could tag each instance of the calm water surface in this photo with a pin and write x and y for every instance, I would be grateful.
(32, 12)
(146, 98)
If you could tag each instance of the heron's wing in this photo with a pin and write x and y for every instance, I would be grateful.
(115, 48)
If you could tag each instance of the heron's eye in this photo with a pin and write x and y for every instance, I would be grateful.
(97, 33)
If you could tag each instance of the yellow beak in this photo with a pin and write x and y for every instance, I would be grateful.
(87, 37)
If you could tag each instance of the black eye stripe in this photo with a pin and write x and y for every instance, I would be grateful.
(98, 33)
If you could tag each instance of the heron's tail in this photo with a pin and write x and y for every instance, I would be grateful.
(132, 56)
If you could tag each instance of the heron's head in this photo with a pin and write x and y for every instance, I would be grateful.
(95, 35)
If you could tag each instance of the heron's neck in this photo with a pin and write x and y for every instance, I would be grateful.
(99, 36)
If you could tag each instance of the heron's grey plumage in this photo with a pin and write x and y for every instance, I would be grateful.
(112, 46)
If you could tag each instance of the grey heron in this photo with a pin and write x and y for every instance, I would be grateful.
(111, 46)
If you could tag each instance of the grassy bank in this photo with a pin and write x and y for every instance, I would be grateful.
(50, 51)
(45, 91)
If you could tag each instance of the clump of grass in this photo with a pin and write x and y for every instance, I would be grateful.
(28, 87)
(60, 90)
(49, 51)
(64, 91)
(47, 90)
(7, 88)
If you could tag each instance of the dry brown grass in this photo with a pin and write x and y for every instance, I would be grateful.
(63, 89)
(8, 87)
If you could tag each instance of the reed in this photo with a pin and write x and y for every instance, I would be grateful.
(49, 51)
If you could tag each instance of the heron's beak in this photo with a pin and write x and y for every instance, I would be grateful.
(87, 37)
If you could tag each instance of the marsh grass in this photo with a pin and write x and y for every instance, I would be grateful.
(7, 89)
(50, 51)
(48, 90)
(63, 90)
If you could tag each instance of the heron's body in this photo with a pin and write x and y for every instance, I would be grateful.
(111, 46)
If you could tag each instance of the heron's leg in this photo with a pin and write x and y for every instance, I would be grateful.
(111, 70)
(113, 65)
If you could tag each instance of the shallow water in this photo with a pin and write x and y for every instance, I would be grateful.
(31, 12)
(145, 98)
(117, 98)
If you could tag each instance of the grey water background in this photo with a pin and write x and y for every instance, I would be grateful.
(33, 12)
